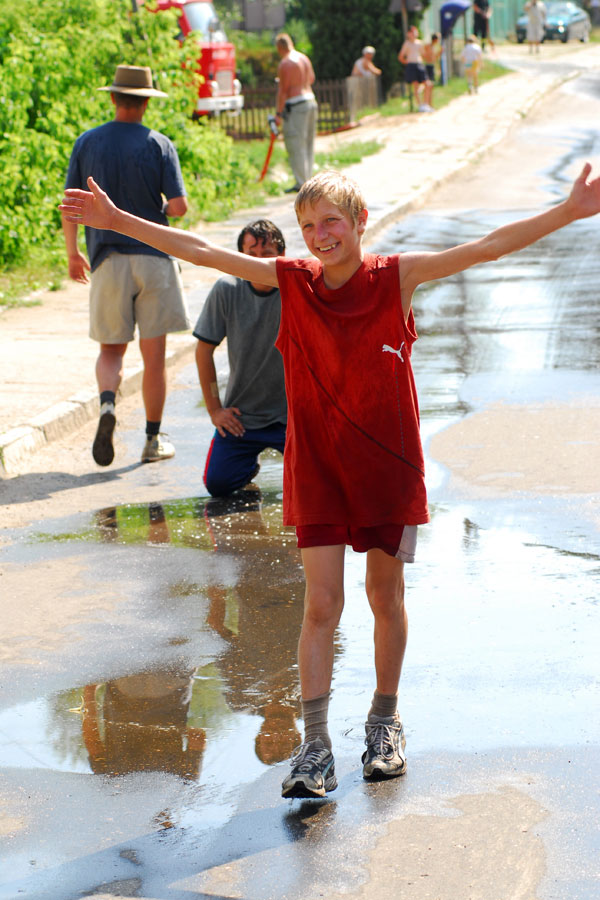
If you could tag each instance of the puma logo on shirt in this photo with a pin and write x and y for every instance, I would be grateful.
(388, 349)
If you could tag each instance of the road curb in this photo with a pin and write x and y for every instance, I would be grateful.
(18, 444)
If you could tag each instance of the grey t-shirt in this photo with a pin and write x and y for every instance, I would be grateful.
(250, 322)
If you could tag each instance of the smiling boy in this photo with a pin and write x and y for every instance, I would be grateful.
(353, 463)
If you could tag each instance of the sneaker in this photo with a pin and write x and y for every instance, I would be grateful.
(384, 756)
(102, 448)
(156, 448)
(313, 771)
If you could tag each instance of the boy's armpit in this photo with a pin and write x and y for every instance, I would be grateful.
(412, 266)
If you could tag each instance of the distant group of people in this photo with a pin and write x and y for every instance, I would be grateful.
(419, 61)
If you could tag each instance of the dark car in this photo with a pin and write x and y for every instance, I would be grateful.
(564, 22)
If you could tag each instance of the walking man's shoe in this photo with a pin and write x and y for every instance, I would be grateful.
(156, 448)
(313, 771)
(102, 448)
(384, 756)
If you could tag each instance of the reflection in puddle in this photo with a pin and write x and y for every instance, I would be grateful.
(162, 719)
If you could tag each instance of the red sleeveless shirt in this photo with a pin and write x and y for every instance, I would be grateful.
(353, 452)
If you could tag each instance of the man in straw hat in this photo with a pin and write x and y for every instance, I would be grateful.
(130, 284)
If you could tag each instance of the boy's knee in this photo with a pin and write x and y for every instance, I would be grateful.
(221, 483)
(386, 598)
(387, 605)
(218, 486)
(323, 607)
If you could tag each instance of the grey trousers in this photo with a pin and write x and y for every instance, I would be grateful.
(299, 129)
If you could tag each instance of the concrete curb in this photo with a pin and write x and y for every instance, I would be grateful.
(20, 443)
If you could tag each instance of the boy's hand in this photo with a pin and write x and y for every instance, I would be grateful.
(584, 199)
(93, 208)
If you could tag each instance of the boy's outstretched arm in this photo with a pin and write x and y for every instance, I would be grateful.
(417, 268)
(95, 209)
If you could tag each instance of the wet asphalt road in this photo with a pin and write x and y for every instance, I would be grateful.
(143, 759)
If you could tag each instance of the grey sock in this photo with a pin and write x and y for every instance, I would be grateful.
(384, 705)
(314, 713)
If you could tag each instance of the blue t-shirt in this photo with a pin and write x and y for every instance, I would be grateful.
(135, 166)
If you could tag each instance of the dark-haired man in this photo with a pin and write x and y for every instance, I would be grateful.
(254, 414)
(131, 284)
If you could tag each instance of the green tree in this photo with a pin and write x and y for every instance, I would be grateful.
(339, 29)
(54, 54)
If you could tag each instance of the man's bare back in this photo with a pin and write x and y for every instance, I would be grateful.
(296, 75)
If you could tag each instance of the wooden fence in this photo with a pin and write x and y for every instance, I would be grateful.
(339, 100)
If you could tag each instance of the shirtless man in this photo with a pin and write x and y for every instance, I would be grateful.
(431, 54)
(414, 71)
(297, 108)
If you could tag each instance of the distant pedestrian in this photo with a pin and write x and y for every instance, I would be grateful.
(471, 60)
(364, 67)
(415, 75)
(297, 109)
(431, 55)
(254, 414)
(536, 24)
(482, 13)
(131, 284)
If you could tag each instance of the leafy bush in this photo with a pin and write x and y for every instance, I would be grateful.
(256, 57)
(353, 23)
(53, 58)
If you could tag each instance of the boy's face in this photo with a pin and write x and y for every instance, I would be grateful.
(262, 250)
(330, 234)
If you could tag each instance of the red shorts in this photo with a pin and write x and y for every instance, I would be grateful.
(399, 541)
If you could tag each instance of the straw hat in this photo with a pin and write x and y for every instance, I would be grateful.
(136, 80)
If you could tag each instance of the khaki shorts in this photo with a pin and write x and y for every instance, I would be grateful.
(133, 288)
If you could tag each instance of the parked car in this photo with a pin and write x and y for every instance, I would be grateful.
(220, 89)
(564, 22)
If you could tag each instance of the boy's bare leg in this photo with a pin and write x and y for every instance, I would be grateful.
(313, 768)
(384, 756)
(385, 590)
(323, 605)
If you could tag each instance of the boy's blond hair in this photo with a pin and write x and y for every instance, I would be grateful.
(335, 187)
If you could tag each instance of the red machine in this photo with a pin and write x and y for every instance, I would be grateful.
(220, 90)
